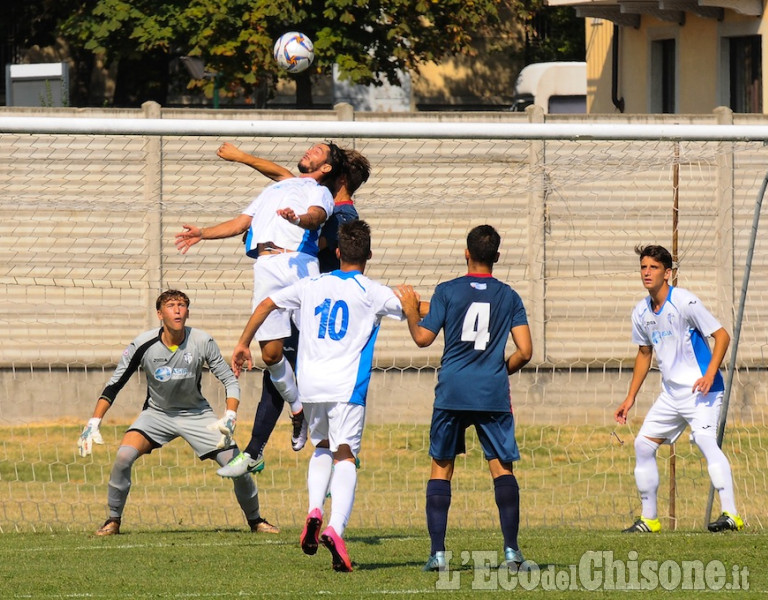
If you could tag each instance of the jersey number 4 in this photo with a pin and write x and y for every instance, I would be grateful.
(334, 319)
(475, 326)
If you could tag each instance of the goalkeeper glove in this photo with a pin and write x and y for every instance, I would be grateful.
(90, 436)
(226, 426)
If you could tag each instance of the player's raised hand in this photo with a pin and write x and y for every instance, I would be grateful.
(226, 426)
(188, 238)
(90, 436)
(229, 152)
(241, 356)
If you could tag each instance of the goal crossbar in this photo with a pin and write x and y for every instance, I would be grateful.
(386, 129)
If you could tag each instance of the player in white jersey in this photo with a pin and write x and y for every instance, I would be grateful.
(340, 316)
(282, 226)
(172, 358)
(673, 323)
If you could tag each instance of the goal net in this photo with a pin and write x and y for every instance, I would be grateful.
(88, 220)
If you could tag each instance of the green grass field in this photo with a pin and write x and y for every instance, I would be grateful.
(235, 564)
(184, 536)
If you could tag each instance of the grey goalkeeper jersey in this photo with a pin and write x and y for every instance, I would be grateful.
(173, 378)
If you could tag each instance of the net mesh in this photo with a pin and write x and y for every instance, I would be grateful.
(87, 226)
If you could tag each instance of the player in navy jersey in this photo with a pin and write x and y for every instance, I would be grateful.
(673, 323)
(172, 359)
(340, 314)
(476, 313)
(281, 226)
(354, 172)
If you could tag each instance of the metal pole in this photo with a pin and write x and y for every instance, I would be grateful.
(675, 221)
(737, 334)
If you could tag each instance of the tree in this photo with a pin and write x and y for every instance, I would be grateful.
(551, 33)
(368, 39)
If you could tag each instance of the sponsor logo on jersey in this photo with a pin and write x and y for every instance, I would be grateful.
(479, 286)
(649, 323)
(657, 336)
(158, 360)
(166, 373)
(163, 373)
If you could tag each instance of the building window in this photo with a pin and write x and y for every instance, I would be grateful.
(663, 85)
(746, 74)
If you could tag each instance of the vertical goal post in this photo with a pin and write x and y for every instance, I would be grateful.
(89, 205)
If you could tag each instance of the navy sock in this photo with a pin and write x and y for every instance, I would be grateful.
(267, 413)
(507, 494)
(438, 503)
(271, 402)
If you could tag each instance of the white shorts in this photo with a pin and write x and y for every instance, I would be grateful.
(338, 422)
(669, 417)
(274, 272)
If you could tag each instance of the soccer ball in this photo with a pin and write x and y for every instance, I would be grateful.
(294, 52)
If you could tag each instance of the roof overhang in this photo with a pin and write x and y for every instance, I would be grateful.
(628, 12)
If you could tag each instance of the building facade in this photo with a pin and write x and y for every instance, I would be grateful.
(673, 56)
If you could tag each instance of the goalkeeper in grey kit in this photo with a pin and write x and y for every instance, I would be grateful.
(172, 359)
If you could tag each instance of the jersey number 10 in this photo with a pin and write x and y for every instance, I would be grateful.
(334, 319)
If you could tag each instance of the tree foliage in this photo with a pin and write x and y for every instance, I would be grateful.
(368, 39)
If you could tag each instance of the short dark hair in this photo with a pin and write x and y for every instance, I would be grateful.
(657, 253)
(171, 295)
(355, 241)
(357, 170)
(483, 244)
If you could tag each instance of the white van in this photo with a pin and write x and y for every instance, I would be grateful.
(557, 87)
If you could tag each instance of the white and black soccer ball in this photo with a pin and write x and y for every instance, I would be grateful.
(294, 52)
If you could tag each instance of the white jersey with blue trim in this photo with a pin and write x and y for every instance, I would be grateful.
(678, 333)
(340, 314)
(297, 193)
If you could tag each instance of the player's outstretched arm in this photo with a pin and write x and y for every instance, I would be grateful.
(267, 168)
(411, 303)
(242, 353)
(91, 434)
(191, 234)
(639, 372)
(521, 336)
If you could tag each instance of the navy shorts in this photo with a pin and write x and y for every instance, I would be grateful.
(495, 430)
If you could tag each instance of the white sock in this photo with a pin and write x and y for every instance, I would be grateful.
(343, 485)
(719, 471)
(647, 475)
(319, 477)
(281, 374)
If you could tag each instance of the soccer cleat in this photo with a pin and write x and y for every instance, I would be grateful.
(242, 464)
(111, 527)
(727, 521)
(512, 559)
(436, 562)
(299, 434)
(331, 540)
(311, 531)
(643, 525)
(262, 526)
